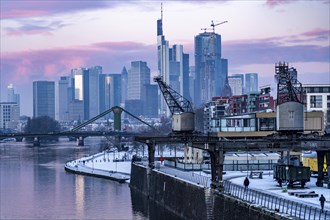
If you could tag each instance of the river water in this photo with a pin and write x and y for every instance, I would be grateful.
(34, 185)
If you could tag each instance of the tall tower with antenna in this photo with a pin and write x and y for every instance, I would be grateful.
(163, 63)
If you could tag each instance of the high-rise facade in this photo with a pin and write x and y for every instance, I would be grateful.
(11, 95)
(138, 76)
(110, 91)
(185, 77)
(63, 98)
(210, 69)
(150, 105)
(251, 83)
(124, 81)
(78, 87)
(44, 99)
(173, 68)
(236, 83)
(176, 68)
(14, 98)
(104, 88)
(163, 64)
(138, 79)
(86, 88)
(192, 83)
(9, 115)
(91, 92)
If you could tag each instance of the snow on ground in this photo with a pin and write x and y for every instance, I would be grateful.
(106, 161)
(271, 186)
(102, 164)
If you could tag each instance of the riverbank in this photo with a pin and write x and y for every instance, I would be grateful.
(115, 166)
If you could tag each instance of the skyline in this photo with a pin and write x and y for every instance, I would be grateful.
(45, 40)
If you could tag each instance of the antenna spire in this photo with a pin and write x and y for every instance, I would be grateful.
(161, 11)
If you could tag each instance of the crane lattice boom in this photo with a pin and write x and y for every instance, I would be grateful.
(176, 102)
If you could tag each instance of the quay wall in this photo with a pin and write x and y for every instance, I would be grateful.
(190, 201)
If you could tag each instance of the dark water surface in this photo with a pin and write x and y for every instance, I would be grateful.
(34, 185)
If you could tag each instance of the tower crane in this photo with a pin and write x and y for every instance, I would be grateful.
(183, 116)
(205, 29)
(213, 25)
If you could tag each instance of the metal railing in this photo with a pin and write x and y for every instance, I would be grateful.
(275, 203)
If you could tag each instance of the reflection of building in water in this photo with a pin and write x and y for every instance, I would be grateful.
(80, 194)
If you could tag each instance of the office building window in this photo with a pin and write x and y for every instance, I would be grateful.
(316, 101)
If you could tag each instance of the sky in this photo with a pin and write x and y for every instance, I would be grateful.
(43, 40)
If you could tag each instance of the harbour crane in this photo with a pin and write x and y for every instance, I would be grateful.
(183, 116)
(213, 25)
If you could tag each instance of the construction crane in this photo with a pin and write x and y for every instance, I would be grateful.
(183, 116)
(213, 25)
(205, 29)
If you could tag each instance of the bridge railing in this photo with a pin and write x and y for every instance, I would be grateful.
(275, 203)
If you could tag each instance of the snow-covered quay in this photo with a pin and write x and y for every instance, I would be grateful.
(263, 192)
(102, 165)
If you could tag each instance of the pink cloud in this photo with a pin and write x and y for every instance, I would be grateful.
(27, 66)
(274, 3)
(21, 13)
(32, 8)
(317, 32)
(28, 32)
(37, 27)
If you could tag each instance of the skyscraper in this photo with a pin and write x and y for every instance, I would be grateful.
(77, 75)
(163, 63)
(86, 89)
(44, 99)
(116, 89)
(236, 83)
(11, 95)
(138, 76)
(251, 83)
(176, 68)
(124, 79)
(138, 79)
(173, 67)
(91, 92)
(185, 78)
(104, 88)
(150, 106)
(210, 68)
(63, 98)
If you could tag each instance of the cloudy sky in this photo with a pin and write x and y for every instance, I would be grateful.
(43, 40)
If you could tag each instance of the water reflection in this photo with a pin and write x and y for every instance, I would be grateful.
(34, 185)
(80, 188)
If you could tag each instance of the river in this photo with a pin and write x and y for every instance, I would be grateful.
(34, 185)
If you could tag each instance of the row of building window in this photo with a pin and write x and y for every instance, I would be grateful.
(317, 89)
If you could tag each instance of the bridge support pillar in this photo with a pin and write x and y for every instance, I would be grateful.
(80, 141)
(36, 142)
(151, 154)
(117, 119)
(217, 159)
(151, 163)
(320, 166)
